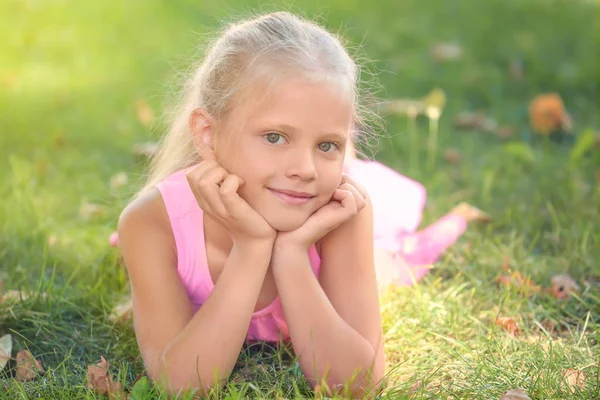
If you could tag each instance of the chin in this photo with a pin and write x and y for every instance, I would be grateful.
(287, 223)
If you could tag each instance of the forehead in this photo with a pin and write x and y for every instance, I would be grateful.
(313, 107)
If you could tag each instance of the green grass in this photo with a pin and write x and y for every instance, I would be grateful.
(70, 76)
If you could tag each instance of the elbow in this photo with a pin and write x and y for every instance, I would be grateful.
(176, 381)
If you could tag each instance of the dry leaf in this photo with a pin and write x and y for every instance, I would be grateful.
(452, 156)
(470, 213)
(118, 180)
(122, 312)
(547, 113)
(575, 379)
(519, 281)
(562, 285)
(27, 366)
(446, 52)
(515, 69)
(102, 383)
(144, 112)
(5, 350)
(478, 121)
(506, 131)
(51, 240)
(147, 149)
(508, 324)
(515, 394)
(88, 211)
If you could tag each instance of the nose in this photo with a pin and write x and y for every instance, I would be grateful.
(301, 165)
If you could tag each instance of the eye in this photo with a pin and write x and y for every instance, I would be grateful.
(273, 138)
(327, 147)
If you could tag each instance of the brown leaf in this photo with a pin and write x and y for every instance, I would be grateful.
(27, 366)
(508, 324)
(515, 394)
(547, 113)
(98, 378)
(147, 149)
(505, 132)
(575, 379)
(446, 52)
(562, 285)
(477, 121)
(88, 211)
(122, 312)
(118, 180)
(452, 156)
(144, 112)
(519, 281)
(470, 213)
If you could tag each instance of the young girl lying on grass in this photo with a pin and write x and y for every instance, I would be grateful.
(253, 226)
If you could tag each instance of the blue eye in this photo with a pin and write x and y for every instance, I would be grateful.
(273, 138)
(327, 146)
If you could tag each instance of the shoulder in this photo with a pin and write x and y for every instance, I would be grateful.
(145, 216)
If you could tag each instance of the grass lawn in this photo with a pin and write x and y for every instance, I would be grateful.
(80, 80)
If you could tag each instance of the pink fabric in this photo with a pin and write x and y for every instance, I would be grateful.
(398, 204)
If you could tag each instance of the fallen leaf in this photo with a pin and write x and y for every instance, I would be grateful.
(88, 211)
(515, 69)
(27, 366)
(508, 324)
(147, 149)
(477, 121)
(575, 379)
(470, 213)
(441, 52)
(118, 180)
(122, 312)
(51, 240)
(505, 132)
(519, 281)
(452, 156)
(515, 394)
(98, 376)
(5, 350)
(102, 383)
(547, 114)
(562, 285)
(144, 112)
(506, 263)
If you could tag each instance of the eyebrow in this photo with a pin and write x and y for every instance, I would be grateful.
(289, 128)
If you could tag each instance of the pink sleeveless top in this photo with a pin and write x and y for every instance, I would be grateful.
(186, 217)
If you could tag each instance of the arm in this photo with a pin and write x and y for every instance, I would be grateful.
(181, 349)
(335, 326)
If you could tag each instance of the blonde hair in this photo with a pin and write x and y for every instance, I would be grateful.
(263, 49)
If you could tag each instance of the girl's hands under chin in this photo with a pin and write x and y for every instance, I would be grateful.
(216, 192)
(347, 201)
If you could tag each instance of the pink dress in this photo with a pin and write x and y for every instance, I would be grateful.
(398, 204)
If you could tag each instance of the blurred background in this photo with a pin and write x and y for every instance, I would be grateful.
(83, 85)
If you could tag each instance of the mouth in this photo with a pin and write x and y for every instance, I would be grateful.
(291, 196)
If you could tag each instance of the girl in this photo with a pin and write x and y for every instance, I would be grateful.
(252, 226)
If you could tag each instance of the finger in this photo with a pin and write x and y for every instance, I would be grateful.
(358, 186)
(359, 199)
(232, 201)
(208, 188)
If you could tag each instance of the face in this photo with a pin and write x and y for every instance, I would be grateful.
(289, 149)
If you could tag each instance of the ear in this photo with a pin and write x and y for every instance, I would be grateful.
(201, 129)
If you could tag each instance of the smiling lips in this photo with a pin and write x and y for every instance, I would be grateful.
(292, 197)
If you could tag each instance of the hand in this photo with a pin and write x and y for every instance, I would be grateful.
(347, 201)
(216, 192)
